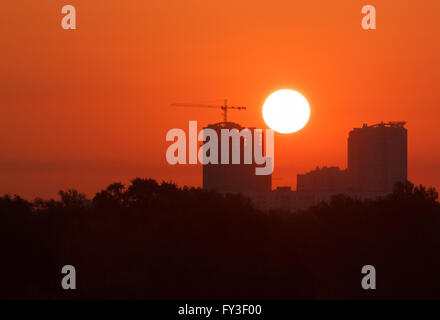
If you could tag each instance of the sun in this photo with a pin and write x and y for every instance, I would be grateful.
(286, 111)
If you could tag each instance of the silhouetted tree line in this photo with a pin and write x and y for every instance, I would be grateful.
(157, 241)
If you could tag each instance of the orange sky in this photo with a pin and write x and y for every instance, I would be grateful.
(88, 107)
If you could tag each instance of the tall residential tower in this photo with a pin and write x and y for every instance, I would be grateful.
(377, 157)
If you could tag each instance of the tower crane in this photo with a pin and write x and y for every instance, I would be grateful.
(223, 107)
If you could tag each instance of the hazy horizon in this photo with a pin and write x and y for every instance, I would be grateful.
(82, 109)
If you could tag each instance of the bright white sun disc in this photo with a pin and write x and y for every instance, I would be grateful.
(286, 111)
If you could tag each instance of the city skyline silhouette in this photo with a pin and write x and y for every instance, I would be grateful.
(324, 163)
(80, 119)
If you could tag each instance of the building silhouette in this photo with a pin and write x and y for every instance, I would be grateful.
(235, 178)
(326, 179)
(377, 156)
(377, 160)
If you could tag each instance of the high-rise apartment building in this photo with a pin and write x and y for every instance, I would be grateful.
(377, 157)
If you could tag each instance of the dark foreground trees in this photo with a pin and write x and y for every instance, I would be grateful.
(154, 241)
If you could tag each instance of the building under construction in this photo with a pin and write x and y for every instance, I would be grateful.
(235, 178)
(230, 177)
